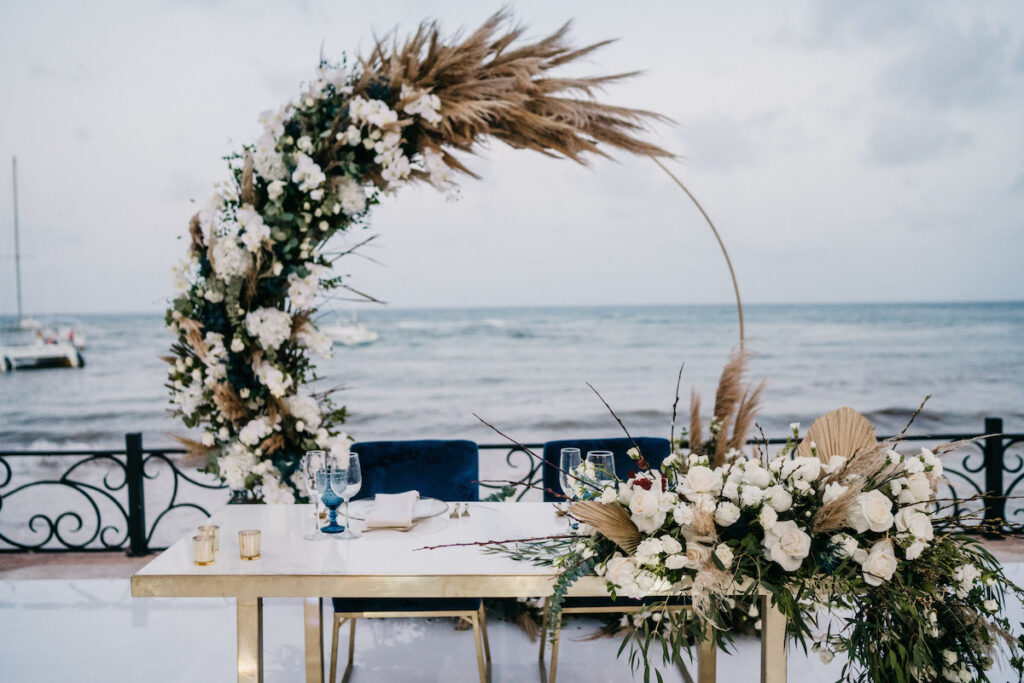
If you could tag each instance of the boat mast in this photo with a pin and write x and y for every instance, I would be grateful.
(17, 246)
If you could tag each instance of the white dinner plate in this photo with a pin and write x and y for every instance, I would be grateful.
(425, 508)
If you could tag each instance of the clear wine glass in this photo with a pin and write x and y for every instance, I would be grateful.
(569, 465)
(313, 462)
(604, 469)
(353, 482)
(332, 479)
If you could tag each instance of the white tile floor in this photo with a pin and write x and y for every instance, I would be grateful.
(93, 630)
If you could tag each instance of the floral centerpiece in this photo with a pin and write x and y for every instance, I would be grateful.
(841, 531)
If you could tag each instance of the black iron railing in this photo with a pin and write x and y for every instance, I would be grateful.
(139, 499)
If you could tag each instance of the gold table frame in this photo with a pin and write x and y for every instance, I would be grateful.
(250, 590)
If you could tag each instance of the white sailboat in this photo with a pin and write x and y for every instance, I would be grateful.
(29, 343)
(352, 333)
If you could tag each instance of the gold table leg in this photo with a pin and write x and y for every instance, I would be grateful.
(313, 616)
(707, 658)
(250, 640)
(773, 643)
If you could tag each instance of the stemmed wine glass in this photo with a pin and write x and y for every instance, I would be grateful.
(332, 479)
(569, 466)
(604, 469)
(312, 463)
(353, 482)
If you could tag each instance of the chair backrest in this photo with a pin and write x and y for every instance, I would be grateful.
(653, 449)
(447, 470)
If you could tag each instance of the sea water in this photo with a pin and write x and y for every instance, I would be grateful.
(525, 370)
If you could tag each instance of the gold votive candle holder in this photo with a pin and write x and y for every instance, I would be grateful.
(212, 530)
(249, 544)
(202, 549)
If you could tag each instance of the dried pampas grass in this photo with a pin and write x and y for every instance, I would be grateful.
(695, 437)
(229, 403)
(491, 84)
(612, 521)
(196, 453)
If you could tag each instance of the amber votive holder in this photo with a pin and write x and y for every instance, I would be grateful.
(212, 530)
(202, 549)
(249, 544)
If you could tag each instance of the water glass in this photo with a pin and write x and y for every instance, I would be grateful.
(313, 462)
(353, 482)
(332, 481)
(604, 469)
(569, 466)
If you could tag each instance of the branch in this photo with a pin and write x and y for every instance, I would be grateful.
(642, 464)
(916, 413)
(527, 450)
(675, 405)
(505, 542)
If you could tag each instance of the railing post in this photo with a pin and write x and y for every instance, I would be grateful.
(995, 509)
(136, 503)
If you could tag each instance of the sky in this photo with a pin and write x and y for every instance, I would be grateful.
(868, 151)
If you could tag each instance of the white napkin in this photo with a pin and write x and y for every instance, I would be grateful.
(392, 509)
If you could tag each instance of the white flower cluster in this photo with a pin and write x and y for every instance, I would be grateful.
(269, 326)
(229, 259)
(648, 500)
(421, 103)
(255, 431)
(254, 231)
(307, 174)
(381, 137)
(313, 339)
(272, 378)
(302, 290)
(305, 410)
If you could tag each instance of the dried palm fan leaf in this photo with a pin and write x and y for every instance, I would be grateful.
(612, 521)
(843, 432)
(492, 85)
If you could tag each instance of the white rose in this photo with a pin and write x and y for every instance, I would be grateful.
(700, 479)
(645, 503)
(724, 554)
(751, 496)
(835, 463)
(275, 190)
(726, 514)
(916, 523)
(787, 544)
(913, 465)
(756, 475)
(918, 489)
(609, 495)
(621, 571)
(871, 510)
(676, 561)
(832, 491)
(697, 555)
(670, 545)
(779, 498)
(808, 469)
(683, 514)
(880, 563)
(847, 544)
(649, 524)
(915, 549)
(990, 605)
(768, 517)
(731, 490)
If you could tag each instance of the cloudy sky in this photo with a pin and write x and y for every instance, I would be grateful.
(847, 151)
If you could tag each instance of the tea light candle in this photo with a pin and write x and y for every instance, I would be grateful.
(249, 544)
(212, 530)
(202, 549)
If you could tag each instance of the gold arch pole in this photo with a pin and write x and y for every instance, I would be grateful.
(721, 243)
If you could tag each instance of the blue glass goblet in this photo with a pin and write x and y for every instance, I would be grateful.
(327, 480)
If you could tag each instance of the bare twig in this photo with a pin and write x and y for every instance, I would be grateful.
(363, 294)
(675, 406)
(642, 463)
(914, 416)
(505, 542)
(529, 452)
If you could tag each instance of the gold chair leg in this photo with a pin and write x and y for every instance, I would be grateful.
(707, 658)
(351, 642)
(338, 621)
(483, 630)
(543, 632)
(472, 618)
(554, 651)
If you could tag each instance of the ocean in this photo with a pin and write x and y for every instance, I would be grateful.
(526, 370)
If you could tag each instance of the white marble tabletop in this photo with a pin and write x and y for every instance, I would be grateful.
(382, 563)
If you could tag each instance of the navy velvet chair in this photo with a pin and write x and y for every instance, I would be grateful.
(654, 450)
(446, 470)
